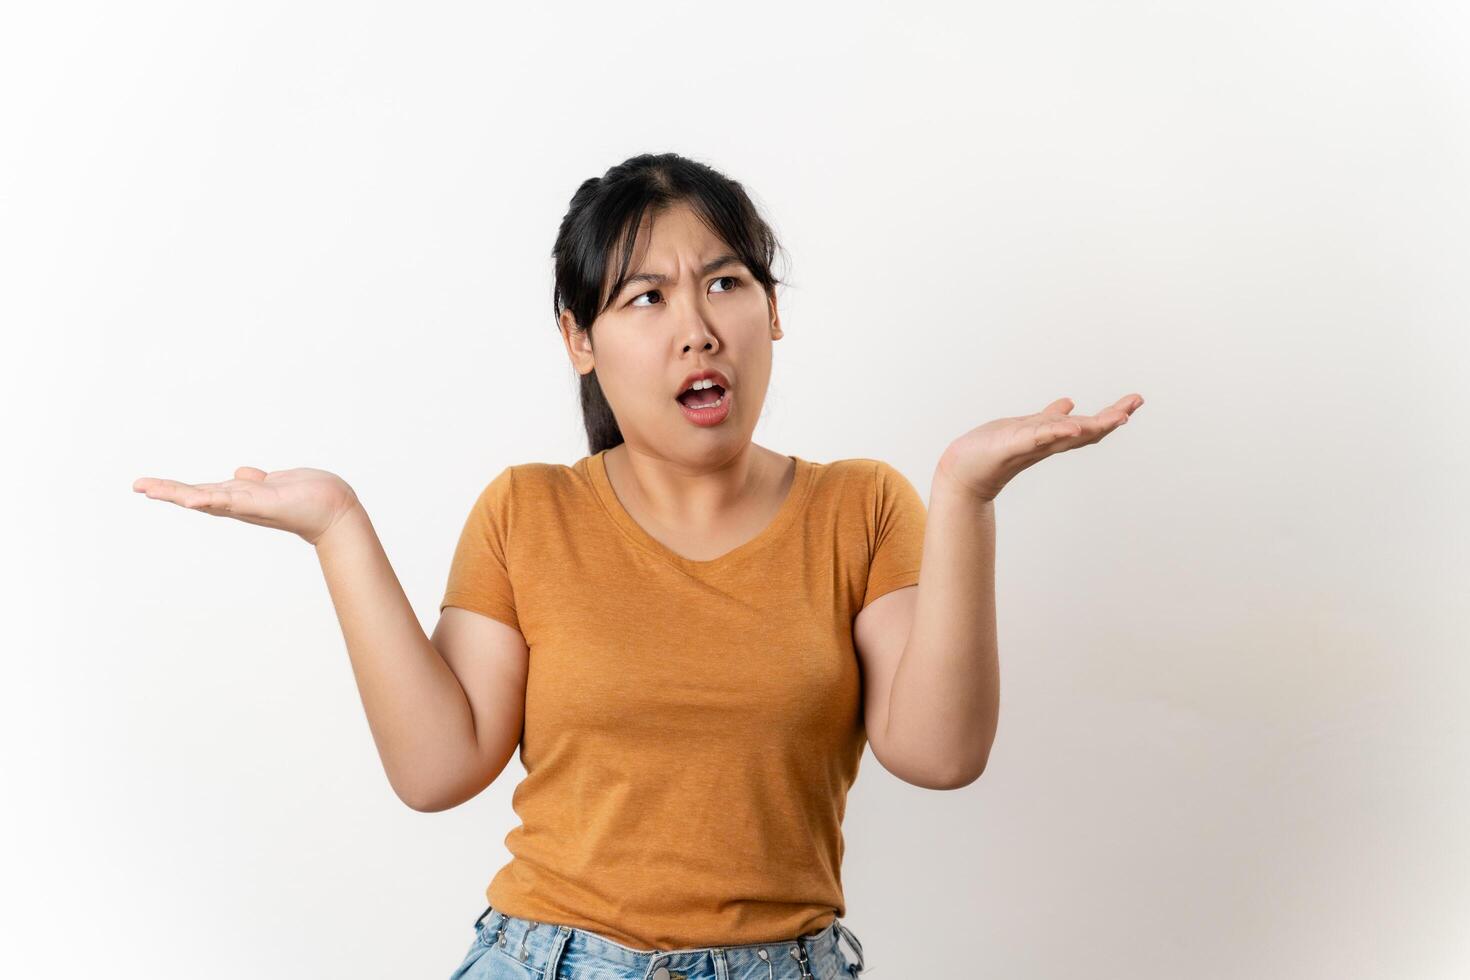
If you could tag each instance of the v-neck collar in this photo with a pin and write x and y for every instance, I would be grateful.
(790, 507)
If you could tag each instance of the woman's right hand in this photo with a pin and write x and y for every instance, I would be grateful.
(304, 501)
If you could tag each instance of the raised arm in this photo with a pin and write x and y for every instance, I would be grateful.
(446, 713)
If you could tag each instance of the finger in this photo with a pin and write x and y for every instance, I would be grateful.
(1047, 434)
(193, 496)
(1128, 404)
(1059, 407)
(249, 473)
(216, 501)
(1117, 413)
(1105, 422)
(159, 489)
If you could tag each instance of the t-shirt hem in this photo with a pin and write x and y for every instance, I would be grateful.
(481, 605)
(888, 585)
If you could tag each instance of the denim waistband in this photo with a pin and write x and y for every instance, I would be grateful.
(547, 947)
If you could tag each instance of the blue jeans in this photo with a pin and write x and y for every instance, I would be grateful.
(508, 948)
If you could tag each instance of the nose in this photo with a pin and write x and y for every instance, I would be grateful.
(699, 336)
(698, 333)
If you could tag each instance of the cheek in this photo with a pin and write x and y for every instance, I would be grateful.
(636, 379)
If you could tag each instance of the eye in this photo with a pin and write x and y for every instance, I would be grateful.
(734, 280)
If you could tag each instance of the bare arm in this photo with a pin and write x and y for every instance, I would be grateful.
(446, 713)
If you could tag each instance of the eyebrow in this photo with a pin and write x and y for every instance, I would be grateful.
(657, 277)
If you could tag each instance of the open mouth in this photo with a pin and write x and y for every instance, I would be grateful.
(711, 397)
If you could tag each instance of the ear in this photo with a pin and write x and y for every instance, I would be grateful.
(775, 316)
(578, 343)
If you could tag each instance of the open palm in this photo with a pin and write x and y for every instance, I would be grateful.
(985, 459)
(303, 501)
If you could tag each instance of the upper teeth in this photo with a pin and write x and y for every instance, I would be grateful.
(703, 384)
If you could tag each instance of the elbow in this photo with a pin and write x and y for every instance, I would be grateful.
(962, 776)
(967, 770)
(421, 804)
(436, 798)
(421, 800)
(440, 801)
(928, 769)
(928, 775)
(942, 781)
(963, 779)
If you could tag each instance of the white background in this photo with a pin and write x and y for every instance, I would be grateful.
(1232, 738)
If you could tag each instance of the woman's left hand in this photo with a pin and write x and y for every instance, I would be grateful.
(982, 461)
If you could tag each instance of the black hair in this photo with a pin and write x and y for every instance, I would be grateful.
(609, 209)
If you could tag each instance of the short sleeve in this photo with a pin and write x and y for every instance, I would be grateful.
(900, 518)
(479, 574)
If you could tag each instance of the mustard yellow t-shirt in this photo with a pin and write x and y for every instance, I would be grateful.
(692, 727)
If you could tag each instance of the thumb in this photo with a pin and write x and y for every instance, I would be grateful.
(1062, 406)
(249, 473)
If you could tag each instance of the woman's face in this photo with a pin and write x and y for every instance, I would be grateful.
(656, 333)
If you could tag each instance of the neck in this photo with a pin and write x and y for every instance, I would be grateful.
(690, 495)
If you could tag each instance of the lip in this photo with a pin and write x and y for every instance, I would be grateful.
(707, 417)
(712, 374)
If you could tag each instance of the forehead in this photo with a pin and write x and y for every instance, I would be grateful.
(663, 237)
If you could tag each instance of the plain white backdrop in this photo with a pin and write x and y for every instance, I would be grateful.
(1233, 634)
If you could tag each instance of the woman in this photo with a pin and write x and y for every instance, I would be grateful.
(718, 629)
